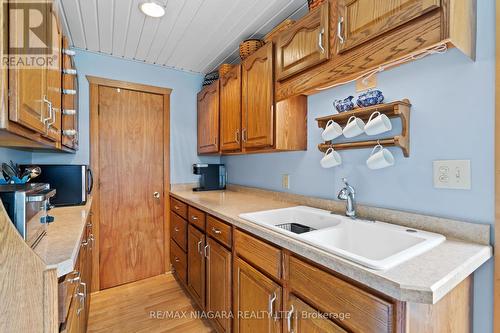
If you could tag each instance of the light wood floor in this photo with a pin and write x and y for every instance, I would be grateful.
(129, 308)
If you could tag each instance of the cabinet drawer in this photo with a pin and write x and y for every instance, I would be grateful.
(219, 230)
(262, 255)
(178, 230)
(66, 290)
(179, 207)
(368, 313)
(179, 261)
(196, 217)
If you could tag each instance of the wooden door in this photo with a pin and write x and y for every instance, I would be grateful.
(219, 284)
(230, 110)
(258, 298)
(258, 100)
(300, 317)
(28, 85)
(303, 45)
(54, 83)
(208, 119)
(362, 20)
(196, 264)
(131, 189)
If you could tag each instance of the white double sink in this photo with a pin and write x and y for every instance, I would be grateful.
(376, 245)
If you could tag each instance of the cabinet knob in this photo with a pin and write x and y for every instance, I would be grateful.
(156, 195)
(69, 132)
(216, 231)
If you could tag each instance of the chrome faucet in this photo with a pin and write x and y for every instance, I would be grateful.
(347, 193)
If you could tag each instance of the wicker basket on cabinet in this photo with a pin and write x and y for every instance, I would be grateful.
(314, 3)
(249, 46)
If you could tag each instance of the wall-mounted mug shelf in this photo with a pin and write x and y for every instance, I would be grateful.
(396, 109)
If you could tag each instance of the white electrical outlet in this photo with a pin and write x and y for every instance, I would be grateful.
(452, 174)
(285, 181)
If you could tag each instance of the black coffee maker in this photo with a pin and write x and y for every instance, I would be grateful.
(212, 177)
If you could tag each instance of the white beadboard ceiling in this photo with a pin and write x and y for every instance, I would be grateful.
(194, 35)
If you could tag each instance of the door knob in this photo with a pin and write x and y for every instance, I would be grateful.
(156, 195)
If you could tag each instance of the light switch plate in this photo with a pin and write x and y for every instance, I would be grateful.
(285, 181)
(452, 174)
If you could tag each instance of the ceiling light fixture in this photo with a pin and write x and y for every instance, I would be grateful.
(153, 8)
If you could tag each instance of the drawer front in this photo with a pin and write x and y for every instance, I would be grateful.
(262, 255)
(178, 230)
(196, 217)
(368, 313)
(219, 230)
(179, 261)
(179, 207)
(66, 289)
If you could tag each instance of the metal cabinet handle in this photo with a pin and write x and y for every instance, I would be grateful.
(69, 132)
(177, 259)
(320, 40)
(237, 136)
(68, 52)
(339, 30)
(74, 277)
(69, 112)
(53, 116)
(49, 106)
(92, 240)
(176, 229)
(85, 242)
(272, 299)
(244, 135)
(199, 246)
(289, 319)
(156, 195)
(207, 251)
(216, 231)
(82, 297)
(194, 218)
(176, 207)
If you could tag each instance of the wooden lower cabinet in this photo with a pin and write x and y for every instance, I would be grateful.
(300, 317)
(196, 250)
(267, 289)
(257, 300)
(218, 275)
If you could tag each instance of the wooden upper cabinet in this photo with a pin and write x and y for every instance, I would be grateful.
(54, 83)
(303, 45)
(230, 110)
(208, 119)
(27, 86)
(362, 20)
(256, 296)
(258, 99)
(196, 264)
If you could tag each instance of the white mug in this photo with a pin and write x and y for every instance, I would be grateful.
(355, 126)
(332, 131)
(380, 159)
(378, 123)
(331, 159)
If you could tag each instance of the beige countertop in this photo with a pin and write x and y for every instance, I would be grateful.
(423, 279)
(59, 248)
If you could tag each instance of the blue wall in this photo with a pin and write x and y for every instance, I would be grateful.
(182, 109)
(452, 118)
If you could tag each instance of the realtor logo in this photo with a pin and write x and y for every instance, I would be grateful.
(30, 27)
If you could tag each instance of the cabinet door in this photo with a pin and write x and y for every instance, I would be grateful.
(219, 283)
(257, 300)
(54, 83)
(208, 119)
(300, 317)
(196, 264)
(230, 110)
(303, 45)
(258, 99)
(362, 20)
(28, 85)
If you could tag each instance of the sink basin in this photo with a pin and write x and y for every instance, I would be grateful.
(376, 245)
